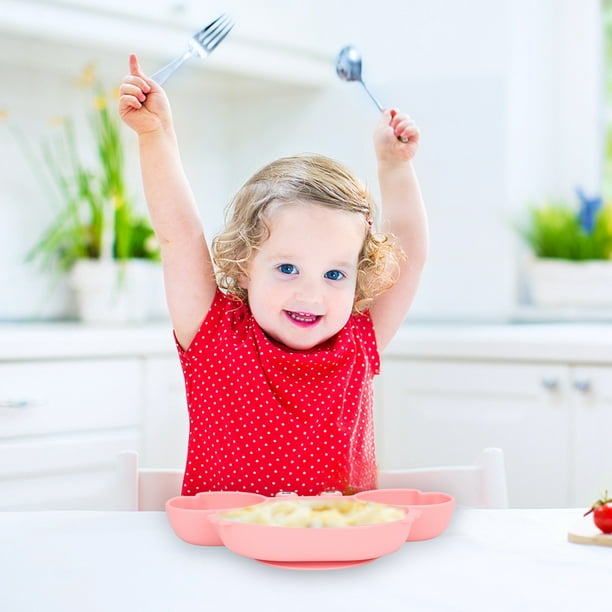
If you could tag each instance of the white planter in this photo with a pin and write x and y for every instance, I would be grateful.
(109, 291)
(560, 282)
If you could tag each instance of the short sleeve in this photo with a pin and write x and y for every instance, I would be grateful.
(223, 310)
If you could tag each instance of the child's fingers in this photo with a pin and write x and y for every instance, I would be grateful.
(398, 120)
(132, 90)
(130, 96)
(407, 132)
(130, 102)
(137, 74)
(135, 65)
(404, 127)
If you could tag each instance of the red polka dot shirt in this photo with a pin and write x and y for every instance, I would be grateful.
(265, 418)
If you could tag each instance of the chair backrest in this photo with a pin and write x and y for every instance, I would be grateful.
(144, 488)
(481, 485)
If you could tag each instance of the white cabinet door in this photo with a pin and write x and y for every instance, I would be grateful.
(592, 408)
(166, 424)
(63, 472)
(42, 397)
(62, 423)
(446, 412)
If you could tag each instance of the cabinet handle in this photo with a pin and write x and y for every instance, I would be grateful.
(582, 385)
(17, 404)
(551, 384)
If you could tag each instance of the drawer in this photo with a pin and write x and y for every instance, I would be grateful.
(66, 452)
(71, 395)
(68, 472)
(90, 490)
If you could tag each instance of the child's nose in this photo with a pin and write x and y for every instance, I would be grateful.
(309, 291)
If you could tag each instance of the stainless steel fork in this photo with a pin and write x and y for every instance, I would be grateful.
(201, 44)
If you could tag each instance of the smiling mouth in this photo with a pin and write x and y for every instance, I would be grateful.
(304, 319)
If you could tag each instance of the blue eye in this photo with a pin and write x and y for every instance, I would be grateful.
(287, 269)
(334, 275)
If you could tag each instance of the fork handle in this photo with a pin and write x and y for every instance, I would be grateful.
(161, 76)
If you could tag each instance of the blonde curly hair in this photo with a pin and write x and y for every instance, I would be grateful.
(294, 180)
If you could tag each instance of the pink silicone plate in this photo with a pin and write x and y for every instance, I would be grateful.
(189, 516)
(320, 548)
(194, 519)
(315, 565)
(435, 509)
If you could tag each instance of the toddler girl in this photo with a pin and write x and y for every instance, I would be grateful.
(280, 324)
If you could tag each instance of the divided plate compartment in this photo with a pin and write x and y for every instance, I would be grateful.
(313, 546)
(435, 509)
(189, 515)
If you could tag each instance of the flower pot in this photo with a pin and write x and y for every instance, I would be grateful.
(109, 291)
(561, 282)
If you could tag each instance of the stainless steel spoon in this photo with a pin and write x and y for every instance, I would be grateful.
(348, 68)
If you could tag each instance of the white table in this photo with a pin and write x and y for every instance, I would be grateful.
(114, 561)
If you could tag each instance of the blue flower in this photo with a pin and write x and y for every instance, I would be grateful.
(588, 210)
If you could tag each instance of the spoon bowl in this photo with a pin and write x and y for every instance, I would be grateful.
(348, 68)
(348, 65)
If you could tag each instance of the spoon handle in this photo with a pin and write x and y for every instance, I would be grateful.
(378, 104)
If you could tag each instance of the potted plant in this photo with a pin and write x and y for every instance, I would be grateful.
(98, 236)
(571, 252)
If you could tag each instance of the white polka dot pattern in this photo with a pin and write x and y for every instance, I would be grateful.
(264, 418)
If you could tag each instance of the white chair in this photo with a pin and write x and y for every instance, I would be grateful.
(481, 485)
(144, 488)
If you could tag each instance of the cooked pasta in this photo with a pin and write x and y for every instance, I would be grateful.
(316, 513)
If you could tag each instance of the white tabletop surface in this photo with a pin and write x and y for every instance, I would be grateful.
(114, 561)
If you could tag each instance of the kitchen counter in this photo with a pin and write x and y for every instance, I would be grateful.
(558, 342)
(64, 340)
(115, 561)
(553, 342)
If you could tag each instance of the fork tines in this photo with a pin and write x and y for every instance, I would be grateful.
(211, 35)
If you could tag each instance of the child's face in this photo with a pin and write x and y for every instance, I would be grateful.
(301, 282)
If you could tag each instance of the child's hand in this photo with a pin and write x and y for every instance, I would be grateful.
(396, 137)
(143, 104)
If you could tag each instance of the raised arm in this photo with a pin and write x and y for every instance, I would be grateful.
(403, 215)
(186, 260)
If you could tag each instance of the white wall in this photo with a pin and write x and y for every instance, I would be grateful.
(505, 92)
(508, 99)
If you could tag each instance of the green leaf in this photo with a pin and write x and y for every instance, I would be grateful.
(83, 193)
(554, 231)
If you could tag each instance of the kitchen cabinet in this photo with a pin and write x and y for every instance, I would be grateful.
(590, 404)
(444, 412)
(160, 31)
(544, 402)
(290, 23)
(61, 424)
(71, 398)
